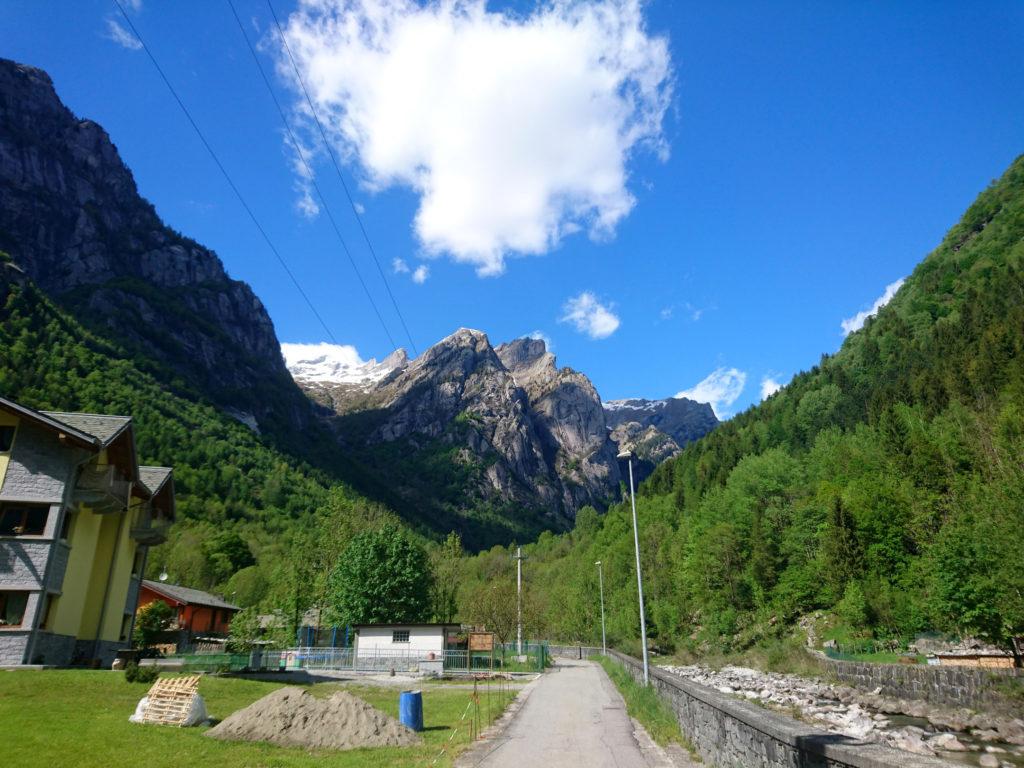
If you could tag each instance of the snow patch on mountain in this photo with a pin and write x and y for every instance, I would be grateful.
(338, 364)
(633, 404)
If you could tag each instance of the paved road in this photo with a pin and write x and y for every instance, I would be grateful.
(574, 717)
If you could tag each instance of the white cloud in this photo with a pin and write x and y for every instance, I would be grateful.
(666, 313)
(399, 266)
(122, 36)
(360, 208)
(135, 5)
(769, 386)
(420, 274)
(514, 130)
(590, 316)
(856, 322)
(722, 387)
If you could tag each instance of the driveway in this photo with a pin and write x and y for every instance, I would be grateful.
(574, 717)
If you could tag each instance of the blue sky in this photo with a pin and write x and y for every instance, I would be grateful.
(787, 162)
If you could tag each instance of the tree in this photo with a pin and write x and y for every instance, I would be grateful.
(495, 607)
(227, 553)
(382, 577)
(446, 564)
(245, 630)
(151, 619)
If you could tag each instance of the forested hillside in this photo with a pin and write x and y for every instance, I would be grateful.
(885, 485)
(241, 504)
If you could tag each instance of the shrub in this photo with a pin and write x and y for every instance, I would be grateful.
(133, 673)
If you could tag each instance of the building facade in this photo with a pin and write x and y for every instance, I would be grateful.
(77, 517)
(402, 639)
(199, 616)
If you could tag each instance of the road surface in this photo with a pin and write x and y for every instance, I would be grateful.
(573, 718)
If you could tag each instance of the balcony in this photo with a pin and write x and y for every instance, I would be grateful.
(102, 489)
(149, 530)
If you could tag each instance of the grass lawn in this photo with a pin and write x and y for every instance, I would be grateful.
(74, 717)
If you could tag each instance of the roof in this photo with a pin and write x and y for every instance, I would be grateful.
(154, 478)
(103, 428)
(46, 420)
(187, 595)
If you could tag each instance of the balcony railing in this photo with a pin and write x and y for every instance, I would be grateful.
(102, 489)
(150, 530)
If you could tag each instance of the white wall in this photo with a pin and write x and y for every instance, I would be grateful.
(421, 640)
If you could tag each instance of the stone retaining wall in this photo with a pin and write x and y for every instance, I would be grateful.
(573, 651)
(729, 732)
(955, 686)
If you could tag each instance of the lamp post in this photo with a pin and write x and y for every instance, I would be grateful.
(600, 581)
(628, 456)
(519, 600)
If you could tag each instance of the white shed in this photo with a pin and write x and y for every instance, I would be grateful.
(417, 640)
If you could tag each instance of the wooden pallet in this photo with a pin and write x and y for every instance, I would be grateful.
(170, 700)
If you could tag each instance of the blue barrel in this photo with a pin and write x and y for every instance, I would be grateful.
(410, 709)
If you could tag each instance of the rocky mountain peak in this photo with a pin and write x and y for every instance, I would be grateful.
(72, 217)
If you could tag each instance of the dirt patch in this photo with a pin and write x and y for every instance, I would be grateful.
(290, 717)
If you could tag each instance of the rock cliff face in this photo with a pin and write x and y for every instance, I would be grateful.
(72, 218)
(657, 430)
(521, 433)
(569, 419)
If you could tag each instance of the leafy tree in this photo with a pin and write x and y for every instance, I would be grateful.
(245, 631)
(150, 620)
(383, 576)
(227, 553)
(853, 608)
(446, 562)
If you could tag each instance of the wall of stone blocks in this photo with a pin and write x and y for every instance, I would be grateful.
(105, 651)
(39, 469)
(955, 686)
(729, 732)
(573, 651)
(23, 562)
(12, 647)
(51, 649)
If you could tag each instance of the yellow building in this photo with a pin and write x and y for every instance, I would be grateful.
(77, 516)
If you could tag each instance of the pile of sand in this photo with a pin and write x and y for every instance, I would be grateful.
(291, 717)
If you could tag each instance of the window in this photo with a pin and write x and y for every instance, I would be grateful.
(400, 636)
(23, 520)
(126, 627)
(6, 439)
(140, 556)
(12, 608)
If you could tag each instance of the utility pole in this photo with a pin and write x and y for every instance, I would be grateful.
(628, 455)
(600, 581)
(519, 600)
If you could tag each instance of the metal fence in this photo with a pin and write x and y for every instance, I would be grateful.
(533, 658)
(504, 658)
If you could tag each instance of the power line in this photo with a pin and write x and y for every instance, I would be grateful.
(309, 174)
(223, 170)
(341, 178)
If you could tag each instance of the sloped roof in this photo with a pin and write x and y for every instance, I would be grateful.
(154, 478)
(42, 419)
(188, 595)
(103, 428)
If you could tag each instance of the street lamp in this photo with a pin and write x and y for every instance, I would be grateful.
(628, 456)
(600, 580)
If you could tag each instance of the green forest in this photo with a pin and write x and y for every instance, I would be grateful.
(883, 487)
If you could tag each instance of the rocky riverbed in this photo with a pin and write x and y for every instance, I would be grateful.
(960, 735)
